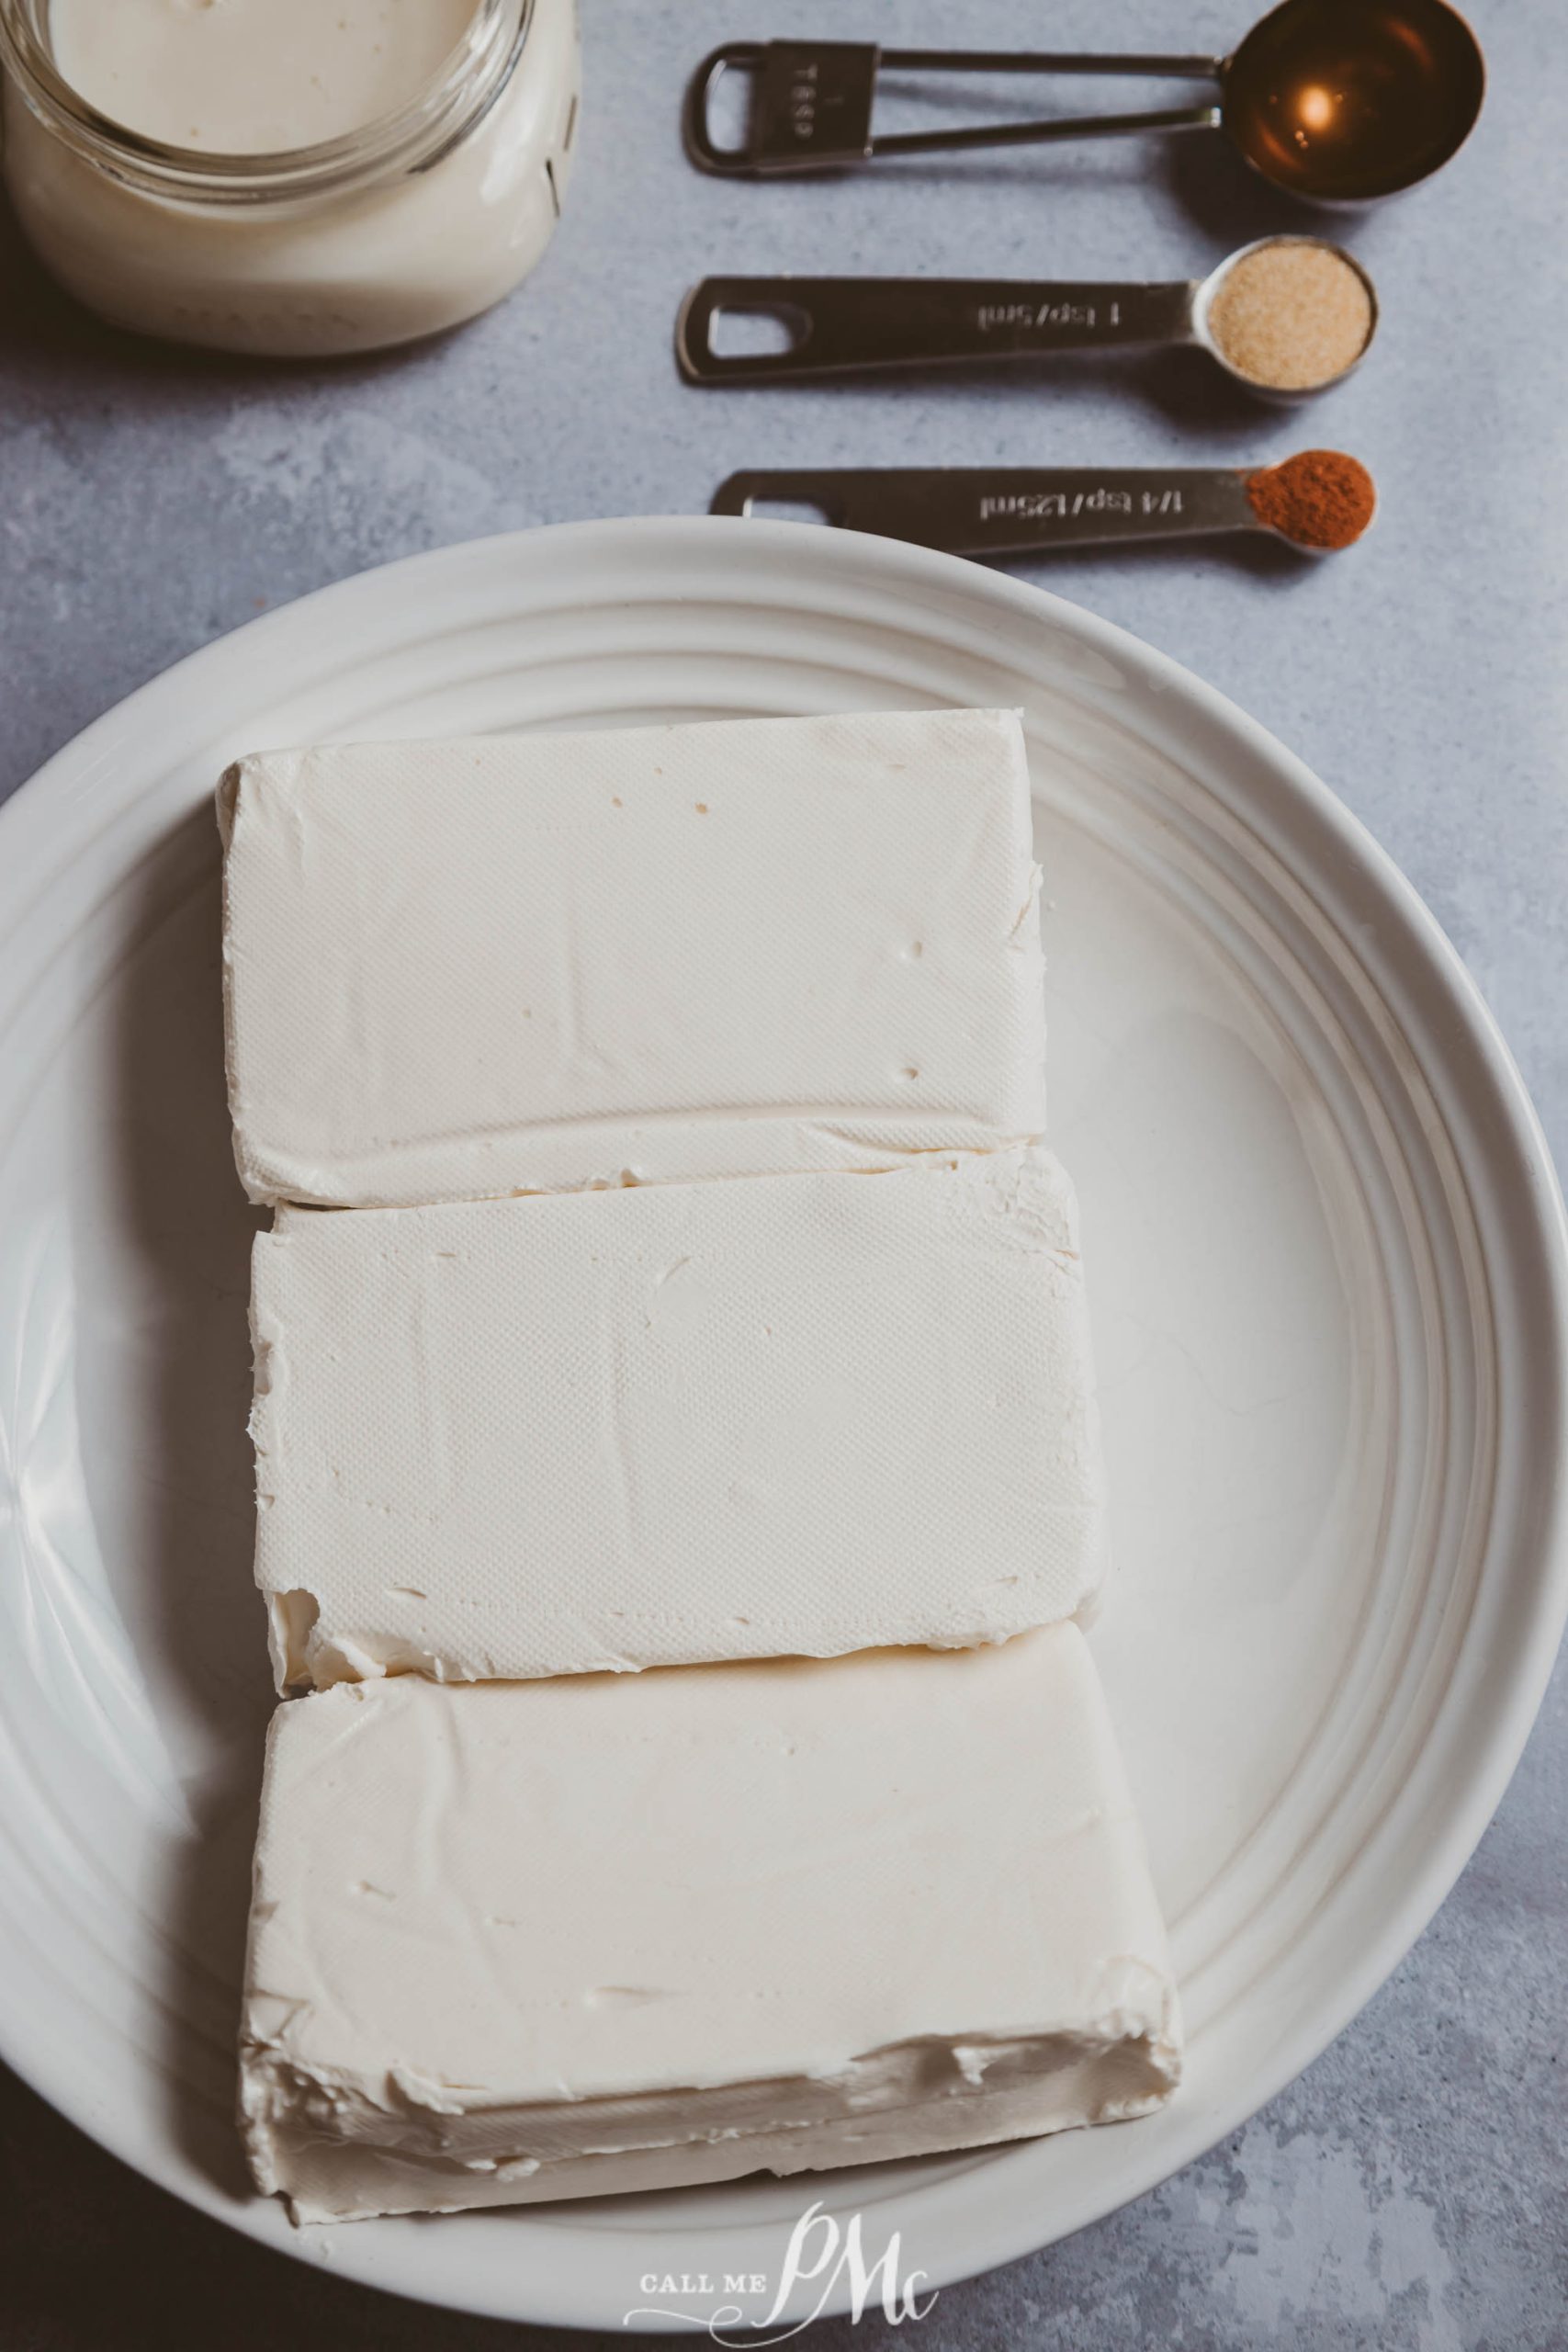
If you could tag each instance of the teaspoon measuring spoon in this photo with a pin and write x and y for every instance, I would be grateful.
(842, 324)
(1339, 101)
(1017, 509)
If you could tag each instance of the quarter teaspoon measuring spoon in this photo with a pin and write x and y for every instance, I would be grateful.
(842, 324)
(1016, 510)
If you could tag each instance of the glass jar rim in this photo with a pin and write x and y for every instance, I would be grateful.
(412, 138)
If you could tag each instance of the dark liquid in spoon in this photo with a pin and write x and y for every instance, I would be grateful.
(1350, 99)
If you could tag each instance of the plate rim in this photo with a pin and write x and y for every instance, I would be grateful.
(1516, 1148)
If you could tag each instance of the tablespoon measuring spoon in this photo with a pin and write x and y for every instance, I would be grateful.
(1319, 501)
(839, 325)
(1339, 101)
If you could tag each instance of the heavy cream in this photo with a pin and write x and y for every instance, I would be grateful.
(249, 77)
(551, 1939)
(528, 963)
(453, 123)
(798, 1414)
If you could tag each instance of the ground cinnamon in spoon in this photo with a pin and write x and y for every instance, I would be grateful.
(1320, 499)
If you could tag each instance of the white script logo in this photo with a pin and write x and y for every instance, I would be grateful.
(819, 2255)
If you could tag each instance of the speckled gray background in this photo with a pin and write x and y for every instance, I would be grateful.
(1412, 2190)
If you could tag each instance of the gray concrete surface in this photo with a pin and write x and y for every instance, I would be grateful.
(1409, 2191)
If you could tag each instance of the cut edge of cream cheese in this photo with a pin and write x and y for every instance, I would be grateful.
(526, 1942)
(569, 1433)
(515, 963)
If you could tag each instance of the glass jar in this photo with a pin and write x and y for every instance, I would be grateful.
(421, 220)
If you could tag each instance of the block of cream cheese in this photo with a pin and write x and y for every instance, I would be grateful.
(675, 1422)
(523, 964)
(530, 1940)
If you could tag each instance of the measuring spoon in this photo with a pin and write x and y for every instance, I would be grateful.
(1340, 101)
(842, 324)
(1016, 510)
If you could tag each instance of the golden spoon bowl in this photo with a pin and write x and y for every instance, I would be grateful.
(1345, 101)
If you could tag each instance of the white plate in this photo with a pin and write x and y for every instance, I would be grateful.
(1326, 1260)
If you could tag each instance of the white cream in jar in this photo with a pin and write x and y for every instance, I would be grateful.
(289, 176)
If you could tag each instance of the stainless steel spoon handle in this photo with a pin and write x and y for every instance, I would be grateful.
(841, 324)
(813, 103)
(998, 510)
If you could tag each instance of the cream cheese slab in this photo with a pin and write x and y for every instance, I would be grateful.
(524, 964)
(795, 1414)
(532, 1941)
